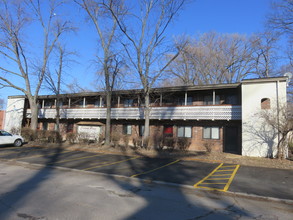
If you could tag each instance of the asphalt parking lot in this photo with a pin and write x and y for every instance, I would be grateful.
(209, 175)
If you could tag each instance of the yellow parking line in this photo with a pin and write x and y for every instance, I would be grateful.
(211, 176)
(224, 170)
(108, 164)
(79, 158)
(155, 169)
(198, 183)
(214, 183)
(229, 166)
(218, 178)
(231, 178)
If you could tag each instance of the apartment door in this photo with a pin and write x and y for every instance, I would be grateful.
(231, 139)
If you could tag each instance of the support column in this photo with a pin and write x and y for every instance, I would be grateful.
(214, 97)
(43, 103)
(69, 102)
(185, 101)
(161, 99)
(84, 102)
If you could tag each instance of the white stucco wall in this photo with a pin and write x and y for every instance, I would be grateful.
(258, 138)
(14, 113)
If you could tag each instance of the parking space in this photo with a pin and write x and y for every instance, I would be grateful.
(209, 175)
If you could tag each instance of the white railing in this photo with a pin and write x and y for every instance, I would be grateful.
(181, 113)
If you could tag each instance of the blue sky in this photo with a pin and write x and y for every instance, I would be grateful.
(223, 16)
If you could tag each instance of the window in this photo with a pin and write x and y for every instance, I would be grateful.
(208, 100)
(70, 127)
(265, 103)
(184, 131)
(168, 131)
(211, 133)
(141, 130)
(181, 101)
(48, 104)
(45, 126)
(127, 129)
(231, 99)
(128, 102)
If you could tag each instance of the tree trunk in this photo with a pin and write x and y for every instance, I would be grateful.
(147, 120)
(108, 118)
(58, 114)
(34, 112)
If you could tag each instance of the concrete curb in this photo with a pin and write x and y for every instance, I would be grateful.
(137, 180)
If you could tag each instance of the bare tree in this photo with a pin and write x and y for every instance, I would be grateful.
(99, 12)
(144, 42)
(265, 54)
(25, 64)
(54, 78)
(213, 58)
(281, 18)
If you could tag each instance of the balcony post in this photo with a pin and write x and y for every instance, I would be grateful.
(84, 102)
(214, 97)
(69, 102)
(185, 101)
(55, 102)
(43, 103)
(101, 99)
(161, 99)
(118, 101)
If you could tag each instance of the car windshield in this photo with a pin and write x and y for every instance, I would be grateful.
(4, 133)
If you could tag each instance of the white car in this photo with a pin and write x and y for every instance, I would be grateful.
(7, 138)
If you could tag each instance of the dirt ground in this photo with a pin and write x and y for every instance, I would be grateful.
(214, 157)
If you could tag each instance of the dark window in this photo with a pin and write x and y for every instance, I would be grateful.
(127, 129)
(184, 131)
(45, 126)
(231, 99)
(141, 130)
(128, 102)
(265, 103)
(70, 127)
(211, 133)
(208, 100)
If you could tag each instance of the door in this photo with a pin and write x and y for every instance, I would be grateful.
(231, 139)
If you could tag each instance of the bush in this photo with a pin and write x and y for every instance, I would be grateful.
(208, 146)
(83, 138)
(53, 137)
(28, 134)
(71, 137)
(169, 142)
(15, 130)
(115, 138)
(137, 142)
(126, 140)
(183, 143)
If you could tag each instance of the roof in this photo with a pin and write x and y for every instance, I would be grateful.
(140, 91)
(263, 80)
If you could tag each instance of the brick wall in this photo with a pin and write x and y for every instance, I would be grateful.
(2, 115)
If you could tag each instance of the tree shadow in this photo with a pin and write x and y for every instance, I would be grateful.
(31, 184)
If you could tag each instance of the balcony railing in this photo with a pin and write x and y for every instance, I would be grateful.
(171, 113)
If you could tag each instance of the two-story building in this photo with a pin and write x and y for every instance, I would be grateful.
(212, 117)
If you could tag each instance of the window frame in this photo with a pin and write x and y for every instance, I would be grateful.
(211, 133)
(125, 129)
(184, 131)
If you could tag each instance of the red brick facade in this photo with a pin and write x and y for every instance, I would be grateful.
(2, 115)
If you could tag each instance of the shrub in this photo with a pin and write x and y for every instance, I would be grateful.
(137, 141)
(126, 140)
(83, 138)
(183, 143)
(115, 138)
(15, 130)
(169, 142)
(53, 137)
(28, 134)
(71, 137)
(208, 146)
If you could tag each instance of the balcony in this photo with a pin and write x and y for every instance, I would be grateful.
(170, 113)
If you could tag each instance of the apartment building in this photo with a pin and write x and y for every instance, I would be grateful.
(211, 117)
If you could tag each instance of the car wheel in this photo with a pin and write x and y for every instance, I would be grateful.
(17, 143)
